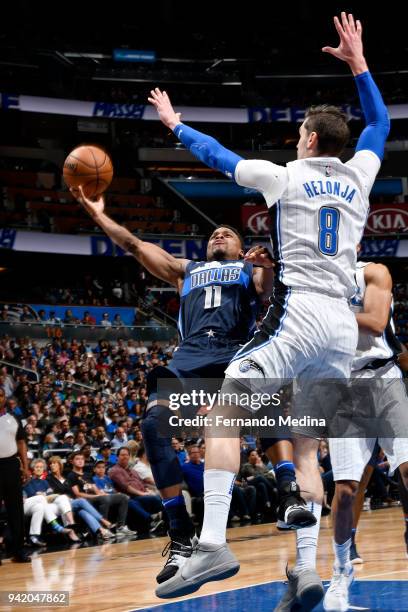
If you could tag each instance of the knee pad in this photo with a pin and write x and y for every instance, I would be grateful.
(163, 460)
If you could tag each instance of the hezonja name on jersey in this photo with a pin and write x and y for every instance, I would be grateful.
(220, 275)
(317, 188)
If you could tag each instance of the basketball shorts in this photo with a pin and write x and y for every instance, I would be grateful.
(304, 336)
(387, 400)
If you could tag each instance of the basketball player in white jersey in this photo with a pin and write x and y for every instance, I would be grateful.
(318, 206)
(376, 361)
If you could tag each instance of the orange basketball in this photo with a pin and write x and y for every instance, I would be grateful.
(90, 167)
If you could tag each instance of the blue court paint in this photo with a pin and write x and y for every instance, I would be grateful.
(372, 595)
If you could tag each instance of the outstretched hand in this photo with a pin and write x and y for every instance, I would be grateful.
(92, 207)
(259, 256)
(165, 110)
(350, 47)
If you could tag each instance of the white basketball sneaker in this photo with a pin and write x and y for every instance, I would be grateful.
(337, 595)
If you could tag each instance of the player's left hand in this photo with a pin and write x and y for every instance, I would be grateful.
(350, 33)
(165, 110)
(259, 256)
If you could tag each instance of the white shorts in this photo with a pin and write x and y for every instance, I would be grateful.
(305, 335)
(349, 456)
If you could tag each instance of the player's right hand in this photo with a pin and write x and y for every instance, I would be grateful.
(165, 110)
(92, 207)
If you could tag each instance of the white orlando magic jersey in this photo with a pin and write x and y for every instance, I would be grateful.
(320, 210)
(369, 347)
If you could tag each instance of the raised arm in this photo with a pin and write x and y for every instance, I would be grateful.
(266, 177)
(202, 146)
(157, 261)
(350, 50)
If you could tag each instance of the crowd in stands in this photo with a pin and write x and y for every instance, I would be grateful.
(82, 426)
(145, 295)
(150, 302)
(50, 318)
(86, 291)
(89, 466)
(157, 303)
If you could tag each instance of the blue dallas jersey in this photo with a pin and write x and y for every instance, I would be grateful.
(218, 299)
(218, 308)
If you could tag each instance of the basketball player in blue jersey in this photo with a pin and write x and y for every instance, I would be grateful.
(318, 207)
(219, 301)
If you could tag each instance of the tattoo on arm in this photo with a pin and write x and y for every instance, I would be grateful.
(132, 246)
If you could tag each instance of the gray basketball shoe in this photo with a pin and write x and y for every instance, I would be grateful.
(305, 591)
(207, 563)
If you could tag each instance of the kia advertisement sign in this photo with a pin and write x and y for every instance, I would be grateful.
(383, 219)
(387, 219)
(255, 218)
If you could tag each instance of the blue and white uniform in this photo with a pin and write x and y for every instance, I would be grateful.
(372, 349)
(385, 397)
(319, 207)
(217, 315)
(218, 308)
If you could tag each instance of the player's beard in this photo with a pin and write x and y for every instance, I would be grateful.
(219, 254)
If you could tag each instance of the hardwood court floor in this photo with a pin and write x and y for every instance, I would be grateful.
(120, 577)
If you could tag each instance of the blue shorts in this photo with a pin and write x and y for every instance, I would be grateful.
(203, 357)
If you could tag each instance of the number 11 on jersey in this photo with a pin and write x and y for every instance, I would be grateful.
(212, 296)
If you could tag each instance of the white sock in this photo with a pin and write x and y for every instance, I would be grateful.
(342, 553)
(217, 500)
(306, 540)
